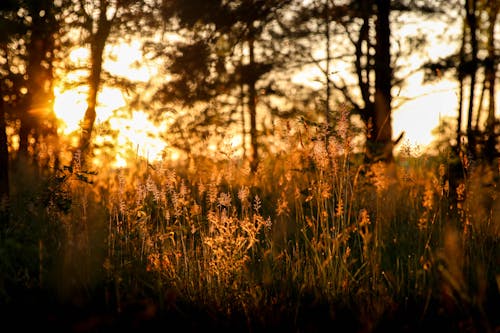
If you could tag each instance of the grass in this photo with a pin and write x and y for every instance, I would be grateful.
(315, 238)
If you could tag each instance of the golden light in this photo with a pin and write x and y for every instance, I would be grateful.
(136, 132)
(141, 134)
(128, 60)
(419, 116)
(69, 107)
(79, 55)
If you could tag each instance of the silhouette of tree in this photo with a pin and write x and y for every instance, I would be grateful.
(102, 22)
(228, 50)
(475, 59)
(37, 117)
(9, 92)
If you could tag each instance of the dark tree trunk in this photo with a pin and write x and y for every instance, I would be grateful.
(98, 42)
(470, 8)
(362, 68)
(380, 143)
(40, 44)
(37, 117)
(490, 73)
(4, 160)
(252, 109)
(327, 67)
(461, 77)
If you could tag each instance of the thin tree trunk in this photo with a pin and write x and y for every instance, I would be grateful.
(252, 109)
(472, 24)
(327, 69)
(98, 42)
(477, 122)
(461, 77)
(242, 104)
(490, 73)
(362, 69)
(460, 112)
(4, 161)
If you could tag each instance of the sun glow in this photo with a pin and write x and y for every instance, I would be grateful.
(135, 131)
(140, 133)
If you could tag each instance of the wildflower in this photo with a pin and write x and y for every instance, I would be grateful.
(152, 188)
(364, 221)
(257, 203)
(268, 223)
(339, 210)
(212, 193)
(343, 123)
(428, 201)
(224, 200)
(243, 194)
(364, 218)
(320, 155)
(325, 189)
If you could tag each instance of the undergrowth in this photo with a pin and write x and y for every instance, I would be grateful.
(314, 228)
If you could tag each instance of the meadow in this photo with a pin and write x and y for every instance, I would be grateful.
(315, 240)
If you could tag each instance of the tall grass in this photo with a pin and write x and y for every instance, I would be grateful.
(314, 225)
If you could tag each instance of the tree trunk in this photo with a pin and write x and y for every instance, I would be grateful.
(34, 113)
(461, 77)
(381, 144)
(4, 161)
(490, 71)
(327, 67)
(252, 109)
(362, 68)
(470, 8)
(98, 42)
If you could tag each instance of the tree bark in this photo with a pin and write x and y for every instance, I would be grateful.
(470, 15)
(252, 108)
(98, 42)
(490, 73)
(327, 67)
(461, 77)
(381, 144)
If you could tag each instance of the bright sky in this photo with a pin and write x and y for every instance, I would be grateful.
(136, 131)
(421, 115)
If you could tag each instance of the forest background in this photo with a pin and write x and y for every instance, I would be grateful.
(240, 160)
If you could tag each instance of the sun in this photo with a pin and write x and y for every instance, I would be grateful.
(69, 107)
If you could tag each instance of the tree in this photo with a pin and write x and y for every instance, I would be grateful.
(491, 64)
(102, 22)
(11, 29)
(477, 59)
(380, 138)
(472, 68)
(37, 118)
(359, 34)
(236, 54)
(372, 63)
